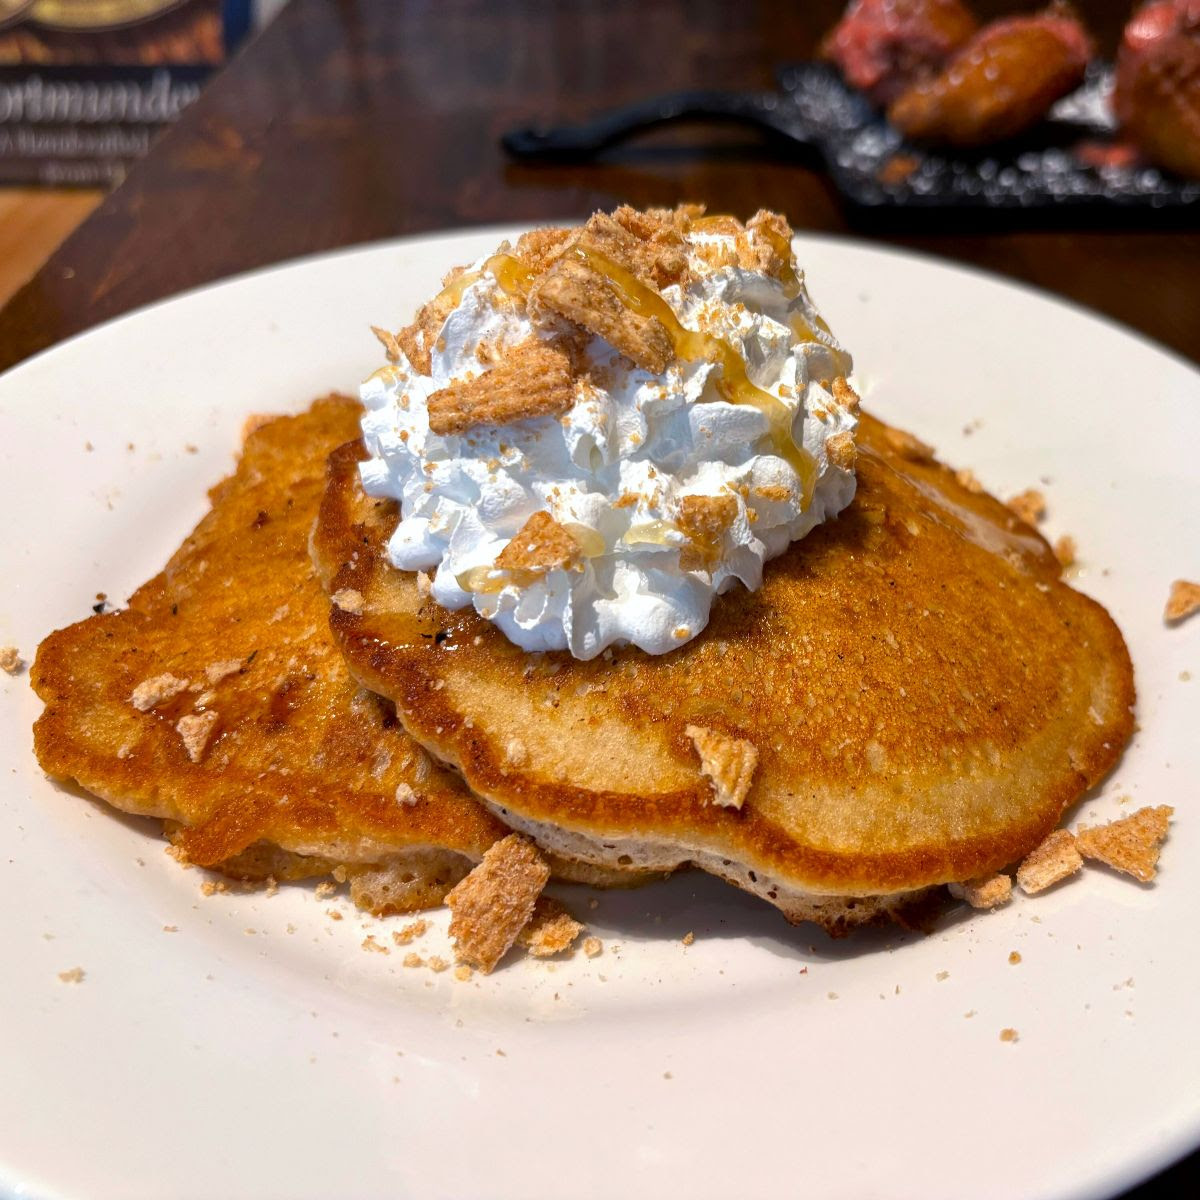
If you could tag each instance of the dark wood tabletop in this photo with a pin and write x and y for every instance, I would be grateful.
(352, 120)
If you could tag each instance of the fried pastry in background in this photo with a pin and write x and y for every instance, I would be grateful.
(1000, 83)
(1157, 93)
(883, 47)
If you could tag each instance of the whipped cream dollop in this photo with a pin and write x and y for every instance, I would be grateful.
(672, 486)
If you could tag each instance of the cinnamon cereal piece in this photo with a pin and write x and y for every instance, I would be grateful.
(550, 930)
(908, 446)
(1055, 859)
(844, 394)
(539, 248)
(196, 729)
(662, 258)
(988, 891)
(766, 244)
(649, 248)
(349, 600)
(728, 762)
(10, 660)
(1029, 505)
(541, 545)
(490, 907)
(533, 379)
(392, 348)
(1131, 844)
(1183, 600)
(579, 291)
(418, 339)
(1065, 550)
(842, 451)
(150, 693)
(704, 520)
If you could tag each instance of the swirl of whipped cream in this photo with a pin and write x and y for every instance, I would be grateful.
(669, 486)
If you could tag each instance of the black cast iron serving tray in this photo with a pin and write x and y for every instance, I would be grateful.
(873, 167)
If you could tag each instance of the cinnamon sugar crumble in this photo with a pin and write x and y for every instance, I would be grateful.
(1065, 550)
(1131, 844)
(541, 545)
(844, 394)
(987, 892)
(704, 521)
(728, 762)
(217, 671)
(550, 930)
(150, 693)
(842, 451)
(10, 660)
(349, 600)
(1029, 505)
(1183, 600)
(196, 730)
(1054, 859)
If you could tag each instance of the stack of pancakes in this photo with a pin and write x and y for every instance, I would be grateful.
(912, 699)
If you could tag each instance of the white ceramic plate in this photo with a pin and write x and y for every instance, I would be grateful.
(236, 1057)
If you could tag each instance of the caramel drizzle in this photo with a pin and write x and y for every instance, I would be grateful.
(694, 346)
(511, 274)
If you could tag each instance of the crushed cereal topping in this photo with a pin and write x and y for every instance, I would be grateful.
(1131, 844)
(1054, 859)
(728, 762)
(1183, 600)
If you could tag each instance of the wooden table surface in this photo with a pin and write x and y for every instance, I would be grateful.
(33, 223)
(351, 120)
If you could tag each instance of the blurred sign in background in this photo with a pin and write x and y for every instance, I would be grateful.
(86, 84)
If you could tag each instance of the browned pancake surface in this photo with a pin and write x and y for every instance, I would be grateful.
(925, 694)
(300, 759)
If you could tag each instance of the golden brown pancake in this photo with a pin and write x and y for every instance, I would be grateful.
(300, 772)
(924, 694)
